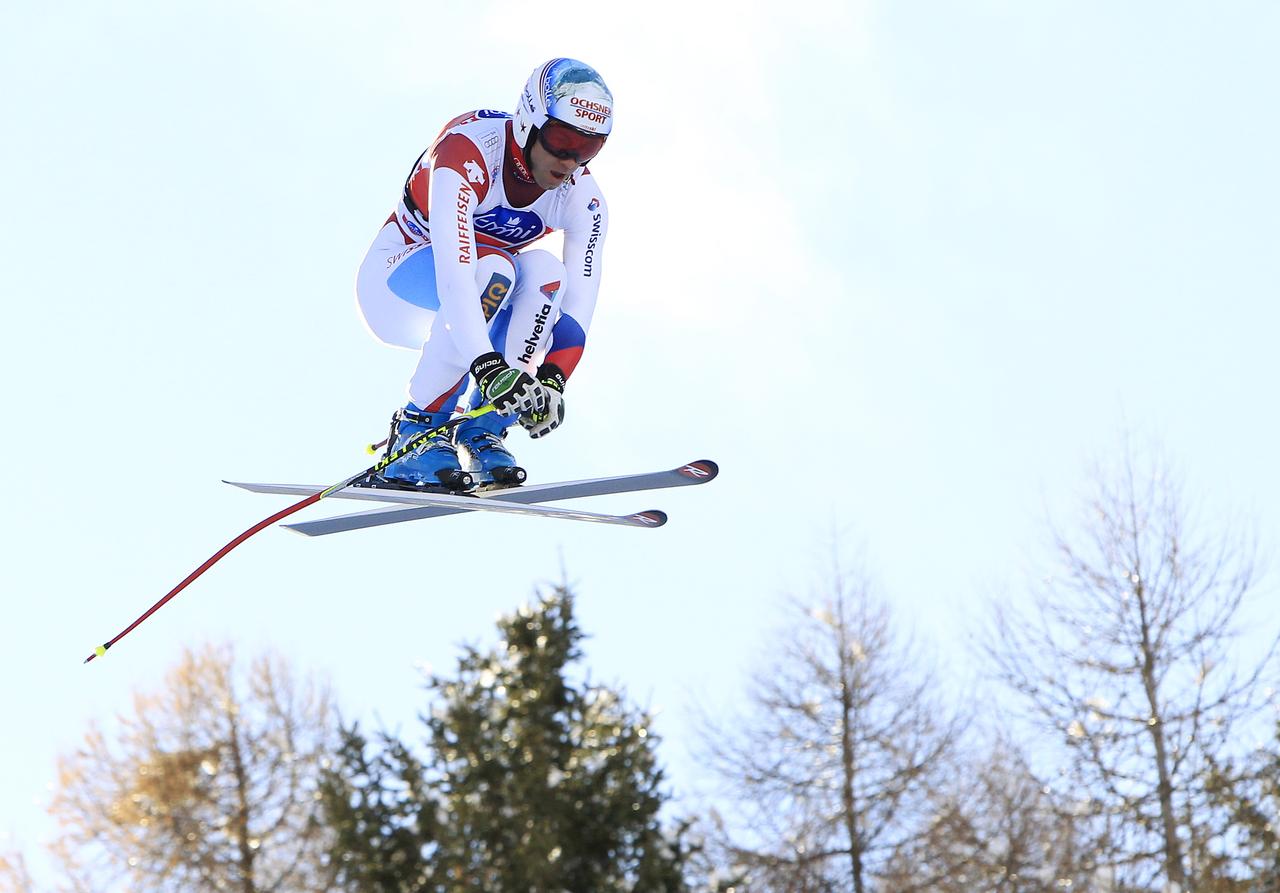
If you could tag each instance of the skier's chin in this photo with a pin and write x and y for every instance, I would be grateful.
(547, 180)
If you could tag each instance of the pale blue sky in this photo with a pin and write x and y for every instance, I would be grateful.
(901, 268)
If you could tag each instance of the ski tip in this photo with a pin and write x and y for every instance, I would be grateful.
(701, 470)
(651, 518)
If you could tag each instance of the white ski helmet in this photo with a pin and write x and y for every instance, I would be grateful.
(569, 91)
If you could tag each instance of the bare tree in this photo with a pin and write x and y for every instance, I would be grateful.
(14, 877)
(210, 785)
(1125, 659)
(827, 775)
(996, 828)
(1248, 795)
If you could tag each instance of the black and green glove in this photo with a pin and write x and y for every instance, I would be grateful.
(552, 380)
(510, 390)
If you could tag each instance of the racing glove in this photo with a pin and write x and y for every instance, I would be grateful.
(551, 380)
(511, 391)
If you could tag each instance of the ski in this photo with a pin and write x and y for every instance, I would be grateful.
(411, 506)
(458, 503)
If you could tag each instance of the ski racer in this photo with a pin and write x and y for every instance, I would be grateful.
(450, 275)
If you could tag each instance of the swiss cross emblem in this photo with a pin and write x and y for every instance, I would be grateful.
(474, 172)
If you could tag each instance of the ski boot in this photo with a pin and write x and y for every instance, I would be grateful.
(485, 455)
(433, 465)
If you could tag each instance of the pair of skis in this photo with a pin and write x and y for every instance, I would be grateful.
(407, 505)
(528, 500)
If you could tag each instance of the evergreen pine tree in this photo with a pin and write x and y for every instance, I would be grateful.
(531, 782)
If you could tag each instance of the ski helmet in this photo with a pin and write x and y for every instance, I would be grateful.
(567, 91)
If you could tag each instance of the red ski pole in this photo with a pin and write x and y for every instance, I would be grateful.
(409, 446)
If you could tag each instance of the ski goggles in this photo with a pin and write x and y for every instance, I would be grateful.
(566, 142)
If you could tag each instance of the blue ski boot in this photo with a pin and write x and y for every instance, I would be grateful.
(484, 453)
(434, 464)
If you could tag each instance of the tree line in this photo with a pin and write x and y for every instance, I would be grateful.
(1121, 735)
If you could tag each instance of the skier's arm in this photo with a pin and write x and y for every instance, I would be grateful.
(584, 236)
(459, 182)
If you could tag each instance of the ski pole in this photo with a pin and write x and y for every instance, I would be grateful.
(409, 446)
(372, 448)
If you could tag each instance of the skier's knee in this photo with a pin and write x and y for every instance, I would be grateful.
(541, 269)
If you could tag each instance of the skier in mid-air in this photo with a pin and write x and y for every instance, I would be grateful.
(478, 305)
(450, 275)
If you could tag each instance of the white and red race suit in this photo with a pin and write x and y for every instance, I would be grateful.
(450, 274)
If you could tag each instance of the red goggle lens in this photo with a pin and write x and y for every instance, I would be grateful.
(565, 142)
